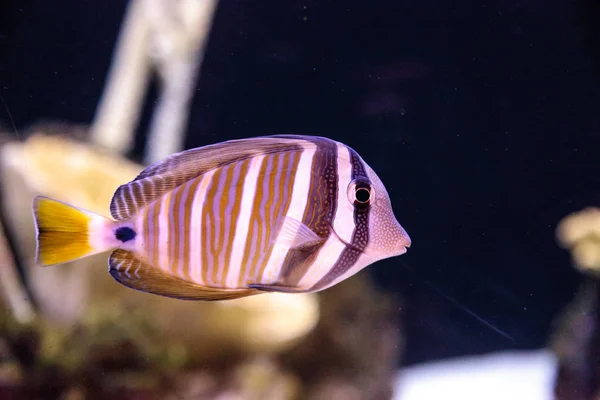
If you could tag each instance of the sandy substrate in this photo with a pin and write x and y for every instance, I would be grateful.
(499, 376)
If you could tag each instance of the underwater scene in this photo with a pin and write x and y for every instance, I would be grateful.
(395, 200)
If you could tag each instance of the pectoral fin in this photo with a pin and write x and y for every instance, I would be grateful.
(297, 235)
(129, 271)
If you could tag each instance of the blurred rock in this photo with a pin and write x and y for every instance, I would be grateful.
(124, 353)
(356, 346)
(576, 336)
(63, 166)
(576, 342)
(94, 338)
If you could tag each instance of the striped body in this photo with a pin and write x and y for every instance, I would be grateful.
(220, 229)
(284, 213)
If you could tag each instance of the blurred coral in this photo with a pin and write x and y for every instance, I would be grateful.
(580, 233)
(53, 162)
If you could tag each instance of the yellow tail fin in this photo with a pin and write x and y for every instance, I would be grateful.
(63, 231)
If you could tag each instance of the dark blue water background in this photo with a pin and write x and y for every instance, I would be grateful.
(481, 117)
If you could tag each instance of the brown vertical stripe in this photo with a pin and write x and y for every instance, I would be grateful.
(176, 256)
(222, 197)
(238, 192)
(165, 247)
(136, 192)
(208, 226)
(283, 189)
(267, 221)
(187, 234)
(156, 232)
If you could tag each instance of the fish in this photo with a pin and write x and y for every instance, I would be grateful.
(281, 213)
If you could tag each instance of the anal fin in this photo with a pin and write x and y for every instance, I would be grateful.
(129, 271)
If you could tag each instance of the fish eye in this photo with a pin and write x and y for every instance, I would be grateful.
(360, 192)
(362, 195)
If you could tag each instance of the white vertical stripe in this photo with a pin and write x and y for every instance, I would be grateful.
(296, 211)
(163, 233)
(195, 222)
(343, 224)
(243, 223)
(141, 245)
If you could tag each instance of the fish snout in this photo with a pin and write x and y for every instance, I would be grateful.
(404, 242)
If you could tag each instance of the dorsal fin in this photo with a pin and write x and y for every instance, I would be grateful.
(129, 271)
(166, 175)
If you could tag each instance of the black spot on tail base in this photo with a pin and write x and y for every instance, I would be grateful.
(125, 234)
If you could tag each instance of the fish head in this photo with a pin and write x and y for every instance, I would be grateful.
(386, 237)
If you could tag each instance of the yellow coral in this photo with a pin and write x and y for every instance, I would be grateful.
(580, 233)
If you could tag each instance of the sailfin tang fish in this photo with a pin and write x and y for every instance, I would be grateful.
(285, 213)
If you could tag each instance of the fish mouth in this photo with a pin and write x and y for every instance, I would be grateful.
(402, 245)
(405, 242)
